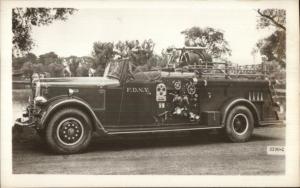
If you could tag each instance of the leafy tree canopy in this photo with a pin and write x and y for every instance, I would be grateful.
(216, 44)
(271, 17)
(102, 52)
(48, 58)
(273, 47)
(23, 19)
(139, 52)
(19, 61)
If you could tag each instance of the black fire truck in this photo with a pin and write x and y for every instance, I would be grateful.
(187, 95)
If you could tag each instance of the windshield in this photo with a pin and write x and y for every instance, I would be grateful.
(113, 70)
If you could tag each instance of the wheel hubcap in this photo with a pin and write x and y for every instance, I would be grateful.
(240, 124)
(70, 131)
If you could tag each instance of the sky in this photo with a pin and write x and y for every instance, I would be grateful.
(77, 35)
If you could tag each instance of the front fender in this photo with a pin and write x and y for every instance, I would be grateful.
(228, 105)
(60, 103)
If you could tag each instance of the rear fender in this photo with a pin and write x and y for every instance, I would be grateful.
(227, 106)
(60, 103)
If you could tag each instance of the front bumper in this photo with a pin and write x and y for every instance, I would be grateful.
(30, 117)
(25, 123)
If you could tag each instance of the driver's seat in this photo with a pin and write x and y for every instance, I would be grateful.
(147, 76)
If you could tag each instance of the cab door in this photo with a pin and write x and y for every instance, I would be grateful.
(113, 96)
(137, 104)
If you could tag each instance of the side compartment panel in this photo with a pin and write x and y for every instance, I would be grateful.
(216, 93)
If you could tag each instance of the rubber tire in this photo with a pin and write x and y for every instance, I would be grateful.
(231, 134)
(52, 139)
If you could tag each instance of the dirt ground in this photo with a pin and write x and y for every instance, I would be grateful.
(184, 153)
(175, 154)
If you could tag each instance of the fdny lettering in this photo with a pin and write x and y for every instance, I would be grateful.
(138, 90)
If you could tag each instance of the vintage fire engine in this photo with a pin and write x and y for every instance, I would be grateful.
(66, 111)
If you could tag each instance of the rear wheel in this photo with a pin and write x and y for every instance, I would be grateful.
(239, 124)
(69, 131)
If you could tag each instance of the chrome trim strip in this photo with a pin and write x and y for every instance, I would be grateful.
(164, 130)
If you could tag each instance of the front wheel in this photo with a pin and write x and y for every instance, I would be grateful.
(69, 131)
(239, 124)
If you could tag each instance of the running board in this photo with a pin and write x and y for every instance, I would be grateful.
(159, 130)
(272, 123)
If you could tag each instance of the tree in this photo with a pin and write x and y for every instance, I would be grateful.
(38, 68)
(273, 46)
(102, 53)
(49, 62)
(217, 46)
(27, 69)
(138, 52)
(55, 69)
(48, 58)
(24, 19)
(73, 62)
(271, 17)
(19, 61)
(82, 70)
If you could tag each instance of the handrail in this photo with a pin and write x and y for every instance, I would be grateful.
(215, 69)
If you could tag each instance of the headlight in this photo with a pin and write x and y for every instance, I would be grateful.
(40, 100)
